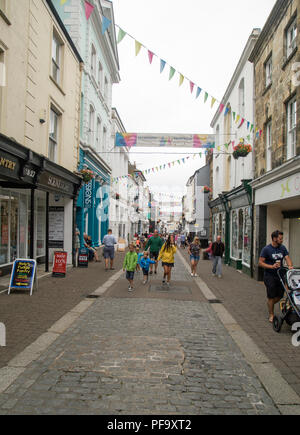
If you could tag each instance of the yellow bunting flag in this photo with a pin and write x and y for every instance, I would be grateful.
(138, 47)
(181, 79)
(213, 100)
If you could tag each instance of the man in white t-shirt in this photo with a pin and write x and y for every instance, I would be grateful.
(109, 243)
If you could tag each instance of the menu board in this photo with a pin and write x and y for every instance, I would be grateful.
(23, 275)
(56, 227)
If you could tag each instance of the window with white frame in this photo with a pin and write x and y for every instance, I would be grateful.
(93, 61)
(269, 146)
(104, 144)
(100, 77)
(53, 135)
(105, 88)
(91, 126)
(242, 97)
(56, 57)
(98, 135)
(291, 128)
(269, 71)
(291, 38)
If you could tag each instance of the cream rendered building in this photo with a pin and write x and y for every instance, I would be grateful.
(39, 132)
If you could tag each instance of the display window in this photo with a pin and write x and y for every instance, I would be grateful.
(241, 227)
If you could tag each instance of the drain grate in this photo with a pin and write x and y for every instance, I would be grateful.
(215, 301)
(92, 297)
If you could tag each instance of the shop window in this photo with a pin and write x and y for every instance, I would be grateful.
(241, 234)
(4, 227)
(235, 234)
(291, 128)
(2, 82)
(247, 236)
(40, 228)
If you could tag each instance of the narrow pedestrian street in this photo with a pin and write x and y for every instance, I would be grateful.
(153, 351)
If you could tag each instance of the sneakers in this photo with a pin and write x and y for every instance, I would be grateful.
(220, 276)
(164, 281)
(192, 274)
(195, 276)
(130, 289)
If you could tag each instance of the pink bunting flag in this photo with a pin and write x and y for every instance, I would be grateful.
(221, 108)
(243, 120)
(88, 9)
(192, 86)
(150, 56)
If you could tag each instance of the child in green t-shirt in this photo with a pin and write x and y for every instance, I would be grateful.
(129, 265)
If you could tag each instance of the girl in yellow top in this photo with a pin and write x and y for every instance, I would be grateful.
(166, 254)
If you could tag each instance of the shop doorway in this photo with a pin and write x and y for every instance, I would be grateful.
(294, 241)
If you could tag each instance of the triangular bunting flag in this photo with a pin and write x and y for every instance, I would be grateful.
(243, 120)
(150, 56)
(238, 118)
(221, 108)
(213, 100)
(199, 90)
(234, 114)
(181, 79)
(172, 72)
(121, 35)
(205, 97)
(88, 9)
(62, 2)
(226, 111)
(192, 86)
(138, 47)
(105, 24)
(162, 65)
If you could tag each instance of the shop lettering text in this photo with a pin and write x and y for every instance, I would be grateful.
(285, 188)
(29, 172)
(8, 164)
(59, 184)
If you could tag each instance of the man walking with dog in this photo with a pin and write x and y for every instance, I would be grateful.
(271, 259)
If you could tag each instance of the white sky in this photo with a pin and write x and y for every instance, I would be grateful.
(203, 40)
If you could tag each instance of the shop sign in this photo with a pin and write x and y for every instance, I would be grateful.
(23, 275)
(56, 183)
(83, 258)
(60, 264)
(56, 227)
(8, 165)
(88, 195)
(282, 189)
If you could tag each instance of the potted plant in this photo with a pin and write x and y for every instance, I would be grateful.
(87, 175)
(241, 150)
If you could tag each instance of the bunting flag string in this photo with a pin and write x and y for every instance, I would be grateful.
(106, 23)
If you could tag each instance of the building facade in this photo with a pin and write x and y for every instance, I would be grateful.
(101, 71)
(276, 188)
(41, 85)
(231, 205)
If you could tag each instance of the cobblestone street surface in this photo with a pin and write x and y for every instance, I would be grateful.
(150, 352)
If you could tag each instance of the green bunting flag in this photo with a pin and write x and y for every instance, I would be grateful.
(121, 35)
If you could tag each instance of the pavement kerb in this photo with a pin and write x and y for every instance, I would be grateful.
(17, 365)
(284, 397)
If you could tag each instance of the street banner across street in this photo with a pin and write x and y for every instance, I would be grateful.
(205, 141)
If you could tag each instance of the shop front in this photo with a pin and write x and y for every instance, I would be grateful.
(92, 213)
(29, 185)
(277, 207)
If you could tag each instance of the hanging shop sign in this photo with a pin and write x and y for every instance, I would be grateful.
(88, 195)
(60, 264)
(56, 227)
(23, 275)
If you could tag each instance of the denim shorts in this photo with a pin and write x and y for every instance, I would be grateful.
(195, 258)
(129, 275)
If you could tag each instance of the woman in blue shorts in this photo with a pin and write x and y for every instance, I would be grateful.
(194, 251)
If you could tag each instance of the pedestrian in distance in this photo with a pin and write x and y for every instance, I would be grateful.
(145, 263)
(183, 240)
(140, 255)
(166, 255)
(129, 265)
(271, 259)
(154, 245)
(109, 243)
(209, 250)
(218, 249)
(194, 251)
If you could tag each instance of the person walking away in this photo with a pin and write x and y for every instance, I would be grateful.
(109, 243)
(145, 263)
(129, 265)
(218, 249)
(183, 240)
(194, 251)
(154, 245)
(271, 259)
(166, 255)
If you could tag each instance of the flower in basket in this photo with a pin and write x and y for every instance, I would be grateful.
(87, 175)
(241, 150)
(207, 189)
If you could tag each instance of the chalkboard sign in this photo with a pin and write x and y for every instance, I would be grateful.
(23, 275)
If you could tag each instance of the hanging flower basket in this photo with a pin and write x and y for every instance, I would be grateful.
(207, 190)
(87, 175)
(241, 150)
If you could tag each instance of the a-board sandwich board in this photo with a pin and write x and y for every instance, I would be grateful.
(23, 275)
